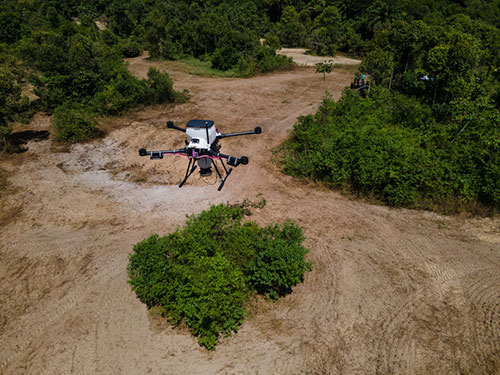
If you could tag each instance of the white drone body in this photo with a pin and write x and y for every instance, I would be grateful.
(201, 134)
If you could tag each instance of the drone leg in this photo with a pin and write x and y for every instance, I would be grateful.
(190, 169)
(225, 169)
(228, 172)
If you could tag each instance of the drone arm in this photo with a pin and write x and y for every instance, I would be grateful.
(159, 154)
(171, 125)
(257, 130)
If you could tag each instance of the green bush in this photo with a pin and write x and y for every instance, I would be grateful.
(160, 88)
(225, 57)
(123, 92)
(10, 101)
(130, 48)
(265, 60)
(279, 260)
(204, 273)
(74, 124)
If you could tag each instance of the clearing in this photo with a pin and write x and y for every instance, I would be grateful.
(392, 290)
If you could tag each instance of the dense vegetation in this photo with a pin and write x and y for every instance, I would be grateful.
(74, 69)
(205, 272)
(389, 145)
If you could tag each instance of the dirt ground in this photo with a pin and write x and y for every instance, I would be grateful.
(301, 58)
(392, 291)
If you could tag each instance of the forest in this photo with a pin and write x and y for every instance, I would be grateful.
(427, 133)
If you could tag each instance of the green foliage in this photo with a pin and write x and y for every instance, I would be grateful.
(390, 146)
(379, 64)
(13, 106)
(324, 67)
(10, 94)
(327, 32)
(279, 262)
(232, 46)
(273, 42)
(291, 31)
(160, 88)
(57, 46)
(74, 124)
(74, 66)
(130, 48)
(225, 57)
(204, 68)
(265, 60)
(122, 92)
(204, 273)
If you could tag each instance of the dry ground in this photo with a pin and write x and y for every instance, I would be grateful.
(301, 58)
(392, 291)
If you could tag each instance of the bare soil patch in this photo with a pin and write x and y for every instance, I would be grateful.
(301, 58)
(392, 291)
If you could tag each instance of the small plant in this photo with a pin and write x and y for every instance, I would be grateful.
(324, 67)
(204, 272)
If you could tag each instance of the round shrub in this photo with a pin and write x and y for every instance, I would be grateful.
(73, 124)
(279, 260)
(160, 88)
(224, 58)
(204, 272)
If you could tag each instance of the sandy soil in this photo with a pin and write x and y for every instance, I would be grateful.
(392, 291)
(298, 55)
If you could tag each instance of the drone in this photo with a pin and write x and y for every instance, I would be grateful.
(202, 148)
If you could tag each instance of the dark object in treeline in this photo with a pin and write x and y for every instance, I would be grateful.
(17, 139)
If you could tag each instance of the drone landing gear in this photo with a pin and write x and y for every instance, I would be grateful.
(190, 169)
(222, 180)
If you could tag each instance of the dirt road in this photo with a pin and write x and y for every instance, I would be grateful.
(392, 291)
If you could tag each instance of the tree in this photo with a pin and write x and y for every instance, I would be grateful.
(379, 64)
(155, 33)
(10, 27)
(74, 124)
(327, 32)
(291, 31)
(12, 104)
(324, 67)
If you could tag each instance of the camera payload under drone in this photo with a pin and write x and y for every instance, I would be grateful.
(202, 147)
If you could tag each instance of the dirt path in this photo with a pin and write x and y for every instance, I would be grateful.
(392, 291)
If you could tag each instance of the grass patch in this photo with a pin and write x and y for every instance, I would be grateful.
(204, 68)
